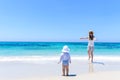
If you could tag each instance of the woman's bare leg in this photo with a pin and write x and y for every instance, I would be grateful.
(91, 56)
(88, 54)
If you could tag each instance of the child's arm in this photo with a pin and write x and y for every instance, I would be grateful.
(60, 59)
(69, 58)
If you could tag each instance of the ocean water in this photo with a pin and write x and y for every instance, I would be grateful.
(35, 51)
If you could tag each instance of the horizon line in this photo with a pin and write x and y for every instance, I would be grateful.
(64, 41)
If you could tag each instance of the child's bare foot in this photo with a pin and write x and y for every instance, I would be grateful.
(67, 75)
(63, 75)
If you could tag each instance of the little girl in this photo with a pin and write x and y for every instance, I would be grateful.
(65, 59)
(91, 39)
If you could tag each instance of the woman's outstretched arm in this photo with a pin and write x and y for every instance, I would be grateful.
(84, 38)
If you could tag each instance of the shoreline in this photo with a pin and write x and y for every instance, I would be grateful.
(55, 58)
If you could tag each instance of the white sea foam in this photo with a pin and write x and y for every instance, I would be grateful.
(26, 58)
(53, 58)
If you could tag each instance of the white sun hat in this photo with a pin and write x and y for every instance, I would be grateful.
(65, 49)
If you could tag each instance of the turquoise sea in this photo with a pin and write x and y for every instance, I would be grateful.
(22, 50)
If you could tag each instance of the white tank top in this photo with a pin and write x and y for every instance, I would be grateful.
(91, 43)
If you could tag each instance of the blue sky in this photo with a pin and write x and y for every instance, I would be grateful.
(59, 20)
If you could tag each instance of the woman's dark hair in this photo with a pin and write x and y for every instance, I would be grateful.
(91, 36)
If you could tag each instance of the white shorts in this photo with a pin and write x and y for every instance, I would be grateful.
(90, 48)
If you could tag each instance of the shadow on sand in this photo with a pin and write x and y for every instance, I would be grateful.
(99, 63)
(72, 75)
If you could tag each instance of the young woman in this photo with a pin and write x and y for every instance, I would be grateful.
(90, 48)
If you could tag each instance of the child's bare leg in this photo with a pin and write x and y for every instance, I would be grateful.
(63, 70)
(67, 70)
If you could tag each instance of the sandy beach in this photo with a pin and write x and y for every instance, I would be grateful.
(50, 70)
(36, 35)
(110, 75)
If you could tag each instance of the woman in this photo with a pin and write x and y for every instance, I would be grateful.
(90, 47)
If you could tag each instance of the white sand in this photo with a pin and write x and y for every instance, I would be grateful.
(110, 75)
(99, 70)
